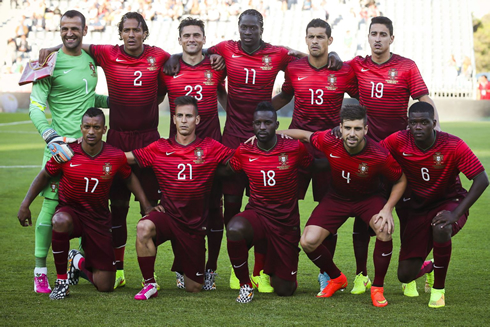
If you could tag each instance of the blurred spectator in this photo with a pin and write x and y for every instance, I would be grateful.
(18, 66)
(23, 46)
(22, 28)
(467, 68)
(10, 52)
(483, 89)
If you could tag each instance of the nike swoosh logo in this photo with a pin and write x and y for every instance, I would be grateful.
(113, 263)
(386, 254)
(332, 156)
(407, 154)
(119, 60)
(216, 230)
(72, 165)
(177, 76)
(438, 267)
(406, 199)
(239, 265)
(57, 252)
(199, 274)
(67, 71)
(252, 159)
(169, 153)
(236, 56)
(301, 78)
(293, 272)
(364, 70)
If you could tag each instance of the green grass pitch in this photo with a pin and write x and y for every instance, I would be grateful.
(467, 286)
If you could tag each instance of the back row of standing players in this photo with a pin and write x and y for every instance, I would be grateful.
(383, 82)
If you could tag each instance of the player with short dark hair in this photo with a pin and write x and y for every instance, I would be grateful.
(357, 165)
(83, 209)
(271, 216)
(318, 94)
(386, 82)
(435, 206)
(68, 93)
(198, 79)
(185, 167)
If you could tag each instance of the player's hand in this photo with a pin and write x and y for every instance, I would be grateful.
(285, 136)
(61, 152)
(217, 62)
(386, 218)
(444, 218)
(251, 140)
(336, 132)
(44, 53)
(172, 66)
(157, 208)
(295, 53)
(24, 216)
(334, 61)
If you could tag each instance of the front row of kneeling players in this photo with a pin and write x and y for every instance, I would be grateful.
(432, 208)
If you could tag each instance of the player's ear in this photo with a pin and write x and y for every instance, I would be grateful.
(330, 40)
(204, 39)
(392, 38)
(174, 119)
(85, 29)
(366, 129)
(198, 119)
(180, 41)
(277, 124)
(104, 130)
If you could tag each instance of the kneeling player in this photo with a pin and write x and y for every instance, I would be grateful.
(271, 218)
(357, 163)
(83, 209)
(184, 167)
(435, 206)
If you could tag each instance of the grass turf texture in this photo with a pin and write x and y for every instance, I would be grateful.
(467, 286)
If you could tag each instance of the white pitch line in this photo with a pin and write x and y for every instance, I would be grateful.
(15, 167)
(19, 122)
(18, 132)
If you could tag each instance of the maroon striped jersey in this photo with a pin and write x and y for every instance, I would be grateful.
(133, 85)
(318, 94)
(200, 81)
(356, 177)
(273, 177)
(185, 175)
(85, 180)
(250, 81)
(433, 175)
(385, 90)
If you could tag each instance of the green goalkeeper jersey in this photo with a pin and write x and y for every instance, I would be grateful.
(68, 93)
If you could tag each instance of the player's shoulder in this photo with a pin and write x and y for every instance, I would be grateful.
(276, 50)
(154, 50)
(288, 144)
(444, 137)
(375, 148)
(301, 63)
(400, 60)
(111, 150)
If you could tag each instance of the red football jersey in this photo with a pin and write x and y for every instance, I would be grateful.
(185, 175)
(356, 177)
(273, 177)
(86, 181)
(385, 90)
(433, 175)
(318, 94)
(250, 81)
(200, 81)
(132, 84)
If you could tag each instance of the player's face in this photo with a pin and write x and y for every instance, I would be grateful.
(353, 132)
(192, 39)
(379, 39)
(265, 126)
(72, 32)
(250, 32)
(92, 129)
(318, 41)
(421, 126)
(132, 34)
(185, 119)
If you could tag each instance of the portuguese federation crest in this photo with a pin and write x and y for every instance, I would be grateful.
(267, 61)
(392, 74)
(362, 170)
(54, 187)
(438, 160)
(106, 169)
(92, 68)
(283, 161)
(332, 82)
(152, 62)
(198, 152)
(209, 77)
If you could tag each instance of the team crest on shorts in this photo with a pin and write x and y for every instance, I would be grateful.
(362, 170)
(283, 160)
(267, 61)
(209, 77)
(54, 187)
(92, 68)
(198, 152)
(107, 168)
(332, 80)
(392, 74)
(152, 61)
(438, 160)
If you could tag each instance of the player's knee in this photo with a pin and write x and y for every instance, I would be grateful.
(232, 198)
(144, 229)
(285, 288)
(235, 229)
(442, 235)
(309, 243)
(62, 222)
(405, 276)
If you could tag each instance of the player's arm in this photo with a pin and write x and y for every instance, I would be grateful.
(39, 183)
(134, 186)
(101, 101)
(44, 52)
(222, 96)
(445, 217)
(386, 214)
(131, 158)
(281, 100)
(295, 53)
(426, 98)
(172, 65)
(297, 134)
(319, 165)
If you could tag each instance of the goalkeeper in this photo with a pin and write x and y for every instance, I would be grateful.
(68, 93)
